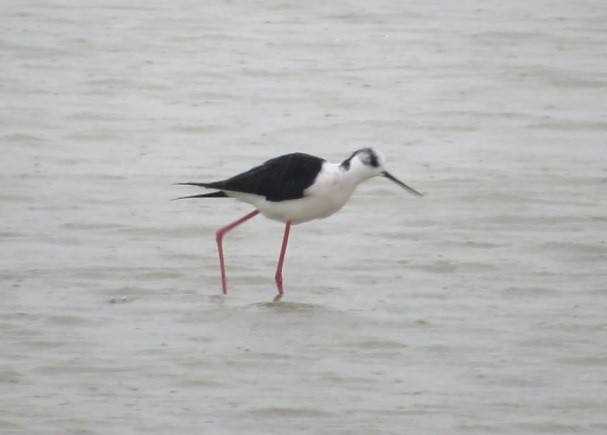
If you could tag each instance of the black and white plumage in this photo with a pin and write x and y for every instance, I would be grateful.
(296, 188)
(279, 179)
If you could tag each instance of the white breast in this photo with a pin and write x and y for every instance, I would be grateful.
(329, 193)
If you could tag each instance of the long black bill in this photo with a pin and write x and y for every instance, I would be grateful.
(400, 183)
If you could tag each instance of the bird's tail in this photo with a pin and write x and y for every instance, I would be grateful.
(218, 194)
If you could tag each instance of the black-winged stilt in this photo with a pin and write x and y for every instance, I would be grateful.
(293, 189)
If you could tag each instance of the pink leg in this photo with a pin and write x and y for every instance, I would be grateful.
(219, 238)
(281, 260)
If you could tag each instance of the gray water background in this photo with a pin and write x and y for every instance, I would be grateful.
(480, 308)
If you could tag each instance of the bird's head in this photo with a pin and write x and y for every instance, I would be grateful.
(368, 163)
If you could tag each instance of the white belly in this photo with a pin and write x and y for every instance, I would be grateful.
(326, 196)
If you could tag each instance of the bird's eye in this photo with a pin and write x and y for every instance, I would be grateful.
(370, 158)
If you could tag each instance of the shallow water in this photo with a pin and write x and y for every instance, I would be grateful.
(479, 308)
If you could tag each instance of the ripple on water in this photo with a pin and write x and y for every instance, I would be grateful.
(286, 306)
(277, 411)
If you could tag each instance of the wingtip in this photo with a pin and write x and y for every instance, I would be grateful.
(188, 197)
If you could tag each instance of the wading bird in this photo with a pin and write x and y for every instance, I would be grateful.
(293, 189)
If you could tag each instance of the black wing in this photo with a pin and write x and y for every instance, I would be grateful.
(278, 179)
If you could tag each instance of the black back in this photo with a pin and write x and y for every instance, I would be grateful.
(279, 179)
